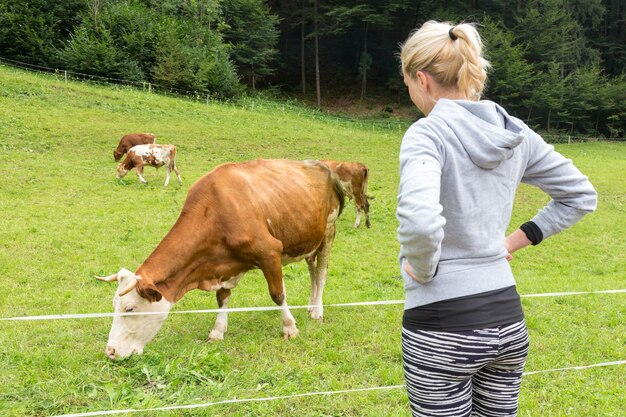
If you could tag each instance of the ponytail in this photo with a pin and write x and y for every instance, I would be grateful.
(452, 55)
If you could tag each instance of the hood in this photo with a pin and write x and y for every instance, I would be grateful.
(484, 129)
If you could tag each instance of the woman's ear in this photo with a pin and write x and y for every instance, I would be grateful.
(423, 80)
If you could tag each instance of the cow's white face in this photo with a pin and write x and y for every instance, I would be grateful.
(121, 172)
(129, 334)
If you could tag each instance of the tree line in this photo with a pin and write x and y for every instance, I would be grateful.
(557, 64)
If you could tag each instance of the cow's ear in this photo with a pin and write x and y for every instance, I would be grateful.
(149, 292)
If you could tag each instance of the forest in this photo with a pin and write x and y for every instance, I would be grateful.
(556, 64)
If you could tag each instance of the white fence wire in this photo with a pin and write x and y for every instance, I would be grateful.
(292, 396)
(269, 308)
(306, 394)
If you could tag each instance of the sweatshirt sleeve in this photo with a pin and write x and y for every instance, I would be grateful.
(572, 195)
(420, 230)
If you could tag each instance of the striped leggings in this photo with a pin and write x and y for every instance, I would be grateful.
(467, 373)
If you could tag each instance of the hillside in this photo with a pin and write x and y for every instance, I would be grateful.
(65, 218)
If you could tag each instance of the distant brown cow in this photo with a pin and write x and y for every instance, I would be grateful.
(353, 177)
(240, 216)
(130, 140)
(152, 155)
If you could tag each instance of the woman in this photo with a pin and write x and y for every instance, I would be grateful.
(464, 339)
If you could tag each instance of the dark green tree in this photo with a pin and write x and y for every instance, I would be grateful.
(547, 97)
(367, 14)
(613, 118)
(96, 54)
(30, 31)
(583, 100)
(251, 30)
(510, 79)
(171, 47)
(551, 34)
(604, 22)
(185, 66)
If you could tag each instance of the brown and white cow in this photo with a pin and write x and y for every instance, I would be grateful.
(153, 155)
(353, 177)
(240, 216)
(130, 140)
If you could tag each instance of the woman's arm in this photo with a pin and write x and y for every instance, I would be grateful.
(572, 194)
(420, 229)
(516, 241)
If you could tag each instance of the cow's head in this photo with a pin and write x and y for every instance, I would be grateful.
(117, 155)
(131, 332)
(121, 171)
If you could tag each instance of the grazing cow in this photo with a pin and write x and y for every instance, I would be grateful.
(153, 155)
(130, 140)
(240, 216)
(353, 177)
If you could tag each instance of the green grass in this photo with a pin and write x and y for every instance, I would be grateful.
(65, 218)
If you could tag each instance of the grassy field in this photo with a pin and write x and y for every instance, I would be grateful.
(65, 218)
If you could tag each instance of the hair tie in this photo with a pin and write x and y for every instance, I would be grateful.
(452, 35)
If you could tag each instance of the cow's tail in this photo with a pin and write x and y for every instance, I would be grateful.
(339, 191)
(337, 187)
(366, 173)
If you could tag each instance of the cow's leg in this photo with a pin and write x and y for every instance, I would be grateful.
(320, 272)
(221, 324)
(357, 222)
(167, 174)
(362, 205)
(366, 209)
(271, 266)
(223, 295)
(139, 171)
(312, 264)
(175, 168)
(359, 204)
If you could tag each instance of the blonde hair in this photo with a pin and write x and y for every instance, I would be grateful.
(452, 55)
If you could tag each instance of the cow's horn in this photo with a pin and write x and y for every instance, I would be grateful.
(132, 284)
(110, 278)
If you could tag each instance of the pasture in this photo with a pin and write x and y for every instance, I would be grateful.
(65, 218)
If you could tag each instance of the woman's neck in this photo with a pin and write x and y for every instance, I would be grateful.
(449, 94)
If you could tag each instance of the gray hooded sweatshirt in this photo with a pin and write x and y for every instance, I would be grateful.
(459, 170)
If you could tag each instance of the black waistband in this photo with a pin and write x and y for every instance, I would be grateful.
(488, 309)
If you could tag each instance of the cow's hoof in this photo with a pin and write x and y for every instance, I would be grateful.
(316, 315)
(290, 332)
(216, 336)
